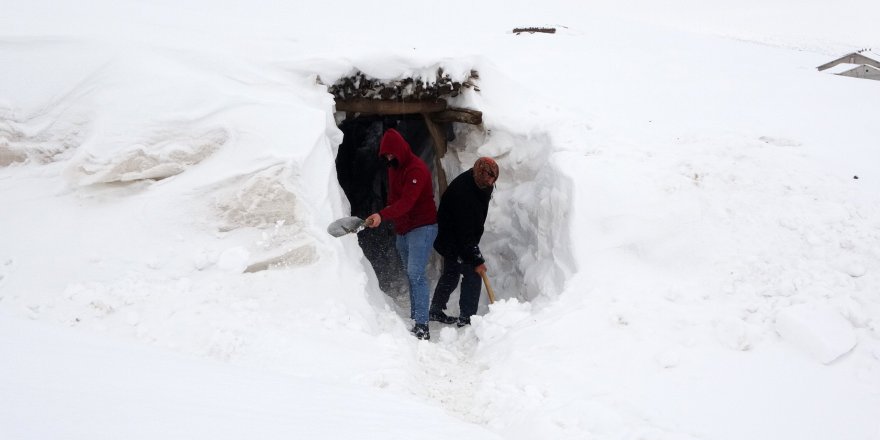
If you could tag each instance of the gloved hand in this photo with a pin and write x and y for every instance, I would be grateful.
(481, 269)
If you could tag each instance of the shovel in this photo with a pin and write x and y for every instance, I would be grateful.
(488, 288)
(346, 225)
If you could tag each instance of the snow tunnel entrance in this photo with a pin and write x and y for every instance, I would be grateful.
(418, 110)
(363, 178)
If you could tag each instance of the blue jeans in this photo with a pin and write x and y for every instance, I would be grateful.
(414, 248)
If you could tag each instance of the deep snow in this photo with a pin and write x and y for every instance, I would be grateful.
(678, 240)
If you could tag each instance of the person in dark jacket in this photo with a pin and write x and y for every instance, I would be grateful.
(411, 209)
(460, 219)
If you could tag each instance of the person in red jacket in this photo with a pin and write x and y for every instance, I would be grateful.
(412, 210)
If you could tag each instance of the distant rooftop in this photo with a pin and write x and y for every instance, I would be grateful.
(864, 56)
(842, 68)
(870, 54)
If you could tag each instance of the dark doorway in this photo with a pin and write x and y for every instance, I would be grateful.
(364, 180)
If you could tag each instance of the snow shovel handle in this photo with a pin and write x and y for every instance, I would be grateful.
(488, 288)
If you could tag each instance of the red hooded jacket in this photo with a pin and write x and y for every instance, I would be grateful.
(410, 194)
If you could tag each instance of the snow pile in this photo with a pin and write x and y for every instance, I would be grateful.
(162, 159)
(38, 141)
(234, 260)
(819, 331)
(260, 201)
(505, 315)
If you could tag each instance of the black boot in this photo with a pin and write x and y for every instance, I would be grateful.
(420, 331)
(464, 320)
(442, 318)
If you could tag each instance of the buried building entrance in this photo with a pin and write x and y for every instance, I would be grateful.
(363, 177)
(427, 126)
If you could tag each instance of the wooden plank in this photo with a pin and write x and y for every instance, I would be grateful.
(463, 115)
(439, 137)
(532, 30)
(382, 107)
(437, 134)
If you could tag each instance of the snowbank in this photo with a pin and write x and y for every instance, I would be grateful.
(819, 331)
(669, 203)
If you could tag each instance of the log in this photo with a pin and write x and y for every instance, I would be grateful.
(382, 107)
(532, 30)
(463, 115)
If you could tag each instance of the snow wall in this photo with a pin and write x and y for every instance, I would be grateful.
(231, 165)
(526, 242)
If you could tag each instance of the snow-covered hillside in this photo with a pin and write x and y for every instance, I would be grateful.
(684, 240)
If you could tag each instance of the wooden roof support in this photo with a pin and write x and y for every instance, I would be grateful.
(438, 109)
(463, 115)
(439, 137)
(380, 107)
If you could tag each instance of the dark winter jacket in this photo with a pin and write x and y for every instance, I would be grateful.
(460, 219)
(410, 194)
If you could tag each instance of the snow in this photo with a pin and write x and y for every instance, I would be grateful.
(819, 331)
(683, 250)
(870, 54)
(106, 388)
(842, 68)
(234, 259)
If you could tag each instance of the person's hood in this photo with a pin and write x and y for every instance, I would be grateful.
(393, 143)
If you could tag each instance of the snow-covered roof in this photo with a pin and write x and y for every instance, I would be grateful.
(843, 68)
(438, 86)
(864, 57)
(846, 67)
(871, 54)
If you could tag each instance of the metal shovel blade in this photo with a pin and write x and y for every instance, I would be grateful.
(346, 225)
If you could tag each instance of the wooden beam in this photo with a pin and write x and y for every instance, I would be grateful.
(463, 115)
(437, 134)
(382, 107)
(532, 30)
(439, 137)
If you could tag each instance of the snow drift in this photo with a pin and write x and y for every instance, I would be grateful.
(677, 193)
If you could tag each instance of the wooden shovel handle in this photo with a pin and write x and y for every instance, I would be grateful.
(488, 288)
